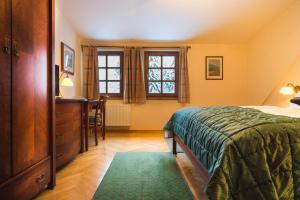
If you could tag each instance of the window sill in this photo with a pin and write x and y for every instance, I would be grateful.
(112, 97)
(162, 98)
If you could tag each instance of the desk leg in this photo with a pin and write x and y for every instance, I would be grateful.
(82, 130)
(86, 111)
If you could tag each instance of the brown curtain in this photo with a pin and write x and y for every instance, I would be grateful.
(90, 72)
(134, 80)
(183, 86)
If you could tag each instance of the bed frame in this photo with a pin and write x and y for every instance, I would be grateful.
(191, 156)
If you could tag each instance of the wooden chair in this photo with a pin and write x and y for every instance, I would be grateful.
(97, 118)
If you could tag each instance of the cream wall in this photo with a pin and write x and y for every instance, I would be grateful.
(65, 33)
(273, 59)
(230, 91)
(155, 113)
(253, 71)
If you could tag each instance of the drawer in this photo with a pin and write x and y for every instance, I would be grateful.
(68, 116)
(77, 108)
(65, 134)
(64, 118)
(65, 107)
(65, 122)
(29, 184)
(66, 152)
(76, 124)
(77, 115)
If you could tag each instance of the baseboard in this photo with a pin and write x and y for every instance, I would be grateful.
(134, 131)
(117, 128)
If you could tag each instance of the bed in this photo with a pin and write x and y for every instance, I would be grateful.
(243, 152)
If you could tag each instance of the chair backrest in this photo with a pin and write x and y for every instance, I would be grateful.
(100, 107)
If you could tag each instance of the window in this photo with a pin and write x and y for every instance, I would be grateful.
(161, 74)
(110, 65)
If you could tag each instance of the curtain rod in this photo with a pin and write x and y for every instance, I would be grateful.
(170, 47)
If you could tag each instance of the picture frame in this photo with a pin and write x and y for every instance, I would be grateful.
(214, 67)
(67, 59)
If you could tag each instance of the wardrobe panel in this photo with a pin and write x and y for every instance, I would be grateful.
(5, 90)
(30, 97)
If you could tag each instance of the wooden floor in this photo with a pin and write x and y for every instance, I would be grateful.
(80, 178)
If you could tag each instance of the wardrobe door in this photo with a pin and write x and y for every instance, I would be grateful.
(30, 96)
(5, 90)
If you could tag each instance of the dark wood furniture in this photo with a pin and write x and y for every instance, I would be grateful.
(191, 156)
(69, 130)
(295, 100)
(88, 105)
(97, 119)
(26, 106)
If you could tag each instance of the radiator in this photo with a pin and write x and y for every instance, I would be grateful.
(117, 115)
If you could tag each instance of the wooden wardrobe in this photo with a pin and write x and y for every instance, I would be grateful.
(26, 98)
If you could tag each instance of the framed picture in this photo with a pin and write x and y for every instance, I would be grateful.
(214, 68)
(67, 59)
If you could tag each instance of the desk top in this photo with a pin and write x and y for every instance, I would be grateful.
(76, 100)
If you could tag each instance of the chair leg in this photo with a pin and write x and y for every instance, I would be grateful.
(96, 134)
(103, 132)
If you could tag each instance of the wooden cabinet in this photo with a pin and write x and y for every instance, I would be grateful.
(26, 155)
(68, 130)
(30, 94)
(5, 88)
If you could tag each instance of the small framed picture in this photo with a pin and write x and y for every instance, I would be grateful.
(214, 68)
(67, 59)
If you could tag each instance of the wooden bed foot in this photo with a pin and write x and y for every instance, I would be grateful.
(191, 156)
(174, 146)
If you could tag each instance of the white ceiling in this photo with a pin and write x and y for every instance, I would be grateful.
(217, 21)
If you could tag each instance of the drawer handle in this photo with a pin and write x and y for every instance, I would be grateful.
(6, 48)
(59, 114)
(41, 178)
(15, 49)
(59, 156)
(58, 135)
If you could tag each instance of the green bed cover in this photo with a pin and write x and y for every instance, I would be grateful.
(247, 153)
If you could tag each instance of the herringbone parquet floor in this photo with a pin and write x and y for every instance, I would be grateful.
(80, 178)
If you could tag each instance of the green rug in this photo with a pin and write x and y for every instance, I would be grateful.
(143, 176)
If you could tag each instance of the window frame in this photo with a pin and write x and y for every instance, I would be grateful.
(161, 96)
(106, 54)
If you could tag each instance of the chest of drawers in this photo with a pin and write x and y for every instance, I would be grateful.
(68, 130)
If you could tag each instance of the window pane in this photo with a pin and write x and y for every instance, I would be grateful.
(169, 61)
(113, 87)
(169, 74)
(154, 87)
(154, 74)
(113, 61)
(102, 87)
(169, 87)
(113, 74)
(154, 61)
(102, 74)
(102, 61)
